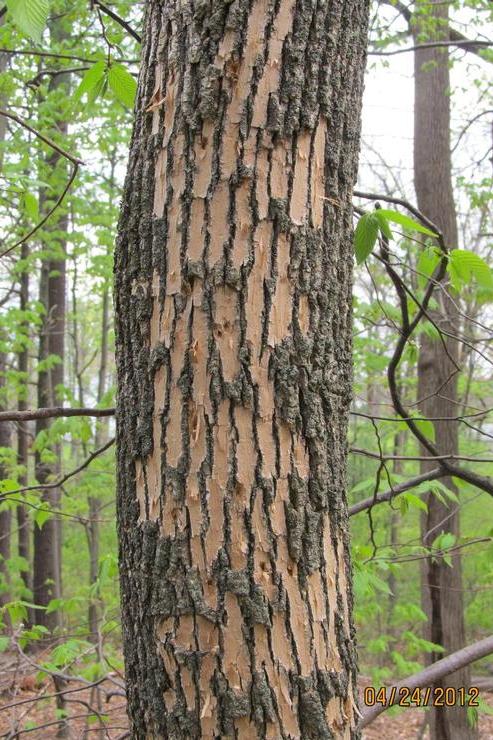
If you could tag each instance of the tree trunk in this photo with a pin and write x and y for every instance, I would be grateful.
(46, 585)
(5, 430)
(233, 304)
(101, 437)
(47, 577)
(95, 501)
(5, 514)
(437, 380)
(23, 522)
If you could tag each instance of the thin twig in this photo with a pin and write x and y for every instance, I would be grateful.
(432, 45)
(38, 226)
(51, 413)
(121, 22)
(61, 481)
(41, 136)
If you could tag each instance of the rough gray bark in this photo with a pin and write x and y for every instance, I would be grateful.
(233, 313)
(437, 379)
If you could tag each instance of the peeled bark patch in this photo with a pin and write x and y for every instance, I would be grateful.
(233, 280)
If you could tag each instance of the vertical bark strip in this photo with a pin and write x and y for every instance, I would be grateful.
(437, 376)
(233, 302)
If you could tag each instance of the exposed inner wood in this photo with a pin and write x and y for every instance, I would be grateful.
(238, 385)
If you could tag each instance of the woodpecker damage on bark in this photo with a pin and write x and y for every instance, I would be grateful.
(233, 297)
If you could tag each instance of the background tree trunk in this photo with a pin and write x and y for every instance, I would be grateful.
(47, 575)
(23, 522)
(437, 377)
(233, 303)
(5, 513)
(5, 429)
(46, 584)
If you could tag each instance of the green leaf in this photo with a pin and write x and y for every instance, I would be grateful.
(427, 263)
(30, 16)
(66, 652)
(383, 223)
(122, 84)
(466, 266)
(93, 718)
(31, 206)
(439, 489)
(364, 485)
(427, 428)
(92, 82)
(109, 626)
(54, 605)
(484, 707)
(408, 223)
(18, 610)
(7, 485)
(444, 541)
(421, 644)
(42, 515)
(4, 643)
(416, 501)
(365, 236)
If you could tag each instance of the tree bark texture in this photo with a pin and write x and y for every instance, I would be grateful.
(233, 301)
(437, 376)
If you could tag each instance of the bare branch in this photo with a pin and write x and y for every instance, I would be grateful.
(462, 417)
(75, 162)
(39, 225)
(51, 413)
(399, 202)
(51, 55)
(442, 459)
(121, 22)
(65, 478)
(40, 136)
(460, 44)
(396, 490)
(456, 37)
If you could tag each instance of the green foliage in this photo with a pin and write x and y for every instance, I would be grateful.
(365, 236)
(465, 266)
(102, 77)
(410, 224)
(30, 16)
(370, 224)
(93, 83)
(122, 84)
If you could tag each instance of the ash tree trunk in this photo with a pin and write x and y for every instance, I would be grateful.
(233, 301)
